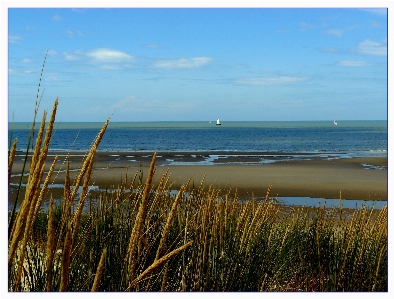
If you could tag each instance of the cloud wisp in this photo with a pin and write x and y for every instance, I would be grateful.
(336, 32)
(14, 39)
(269, 81)
(109, 55)
(101, 58)
(353, 63)
(370, 47)
(376, 11)
(111, 59)
(99, 55)
(182, 63)
(57, 18)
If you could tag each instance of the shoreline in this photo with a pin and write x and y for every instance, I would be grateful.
(196, 157)
(362, 178)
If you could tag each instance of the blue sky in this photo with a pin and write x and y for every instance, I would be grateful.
(182, 64)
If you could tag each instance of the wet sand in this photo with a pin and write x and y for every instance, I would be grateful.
(362, 178)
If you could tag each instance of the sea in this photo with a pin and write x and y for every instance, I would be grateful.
(348, 138)
(272, 140)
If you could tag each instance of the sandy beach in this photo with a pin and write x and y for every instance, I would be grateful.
(363, 178)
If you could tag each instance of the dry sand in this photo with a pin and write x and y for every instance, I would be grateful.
(320, 178)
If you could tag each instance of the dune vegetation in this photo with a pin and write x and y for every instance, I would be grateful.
(140, 235)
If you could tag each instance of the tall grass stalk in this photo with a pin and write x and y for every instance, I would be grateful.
(137, 228)
(99, 272)
(50, 246)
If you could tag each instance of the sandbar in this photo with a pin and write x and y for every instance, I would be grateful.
(363, 178)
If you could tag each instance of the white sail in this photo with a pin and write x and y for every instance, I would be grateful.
(335, 123)
(218, 122)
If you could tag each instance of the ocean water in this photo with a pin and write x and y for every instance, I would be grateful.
(349, 138)
(272, 141)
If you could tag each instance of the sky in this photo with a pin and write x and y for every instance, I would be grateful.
(198, 64)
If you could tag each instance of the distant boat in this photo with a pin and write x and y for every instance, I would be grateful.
(218, 122)
(335, 123)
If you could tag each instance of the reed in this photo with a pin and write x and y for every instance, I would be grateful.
(24, 221)
(66, 259)
(99, 272)
(158, 263)
(169, 221)
(44, 189)
(137, 229)
(50, 246)
(20, 220)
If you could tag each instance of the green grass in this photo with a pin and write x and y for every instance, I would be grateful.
(139, 237)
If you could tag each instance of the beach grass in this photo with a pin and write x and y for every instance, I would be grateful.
(140, 235)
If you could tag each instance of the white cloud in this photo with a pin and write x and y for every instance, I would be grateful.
(305, 25)
(56, 18)
(69, 56)
(336, 32)
(267, 81)
(108, 67)
(52, 53)
(52, 78)
(71, 34)
(13, 39)
(329, 50)
(352, 63)
(183, 63)
(375, 24)
(105, 59)
(377, 11)
(154, 46)
(79, 10)
(77, 55)
(372, 48)
(109, 55)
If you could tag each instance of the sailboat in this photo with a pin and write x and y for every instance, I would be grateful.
(335, 123)
(218, 122)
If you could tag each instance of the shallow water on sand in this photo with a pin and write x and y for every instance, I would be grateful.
(331, 203)
(287, 201)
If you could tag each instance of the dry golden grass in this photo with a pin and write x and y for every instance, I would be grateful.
(169, 221)
(158, 263)
(135, 237)
(99, 271)
(66, 259)
(26, 216)
(50, 246)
